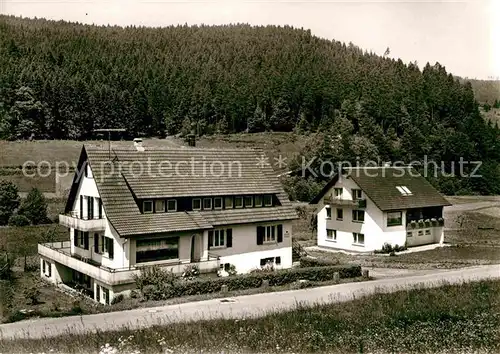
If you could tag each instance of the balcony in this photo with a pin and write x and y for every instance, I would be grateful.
(60, 252)
(424, 223)
(356, 203)
(73, 221)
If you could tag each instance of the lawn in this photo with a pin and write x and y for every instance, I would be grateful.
(450, 319)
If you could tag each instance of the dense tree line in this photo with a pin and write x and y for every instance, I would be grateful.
(62, 80)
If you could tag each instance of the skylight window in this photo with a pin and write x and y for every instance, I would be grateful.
(403, 190)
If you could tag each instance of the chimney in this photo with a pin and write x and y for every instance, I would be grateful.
(138, 144)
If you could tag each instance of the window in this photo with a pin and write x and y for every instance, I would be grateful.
(277, 260)
(81, 239)
(331, 235)
(409, 234)
(197, 204)
(238, 202)
(248, 201)
(106, 246)
(147, 206)
(270, 260)
(105, 295)
(359, 239)
(99, 207)
(328, 212)
(218, 203)
(394, 218)
(358, 215)
(403, 190)
(228, 202)
(47, 269)
(270, 235)
(220, 238)
(268, 200)
(207, 203)
(159, 206)
(150, 250)
(427, 232)
(420, 233)
(357, 194)
(338, 192)
(172, 205)
(258, 200)
(340, 214)
(90, 208)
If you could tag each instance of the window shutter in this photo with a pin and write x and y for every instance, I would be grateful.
(75, 238)
(280, 233)
(85, 169)
(260, 235)
(98, 293)
(103, 239)
(100, 208)
(81, 207)
(43, 266)
(111, 251)
(50, 269)
(210, 239)
(229, 238)
(96, 243)
(86, 240)
(278, 260)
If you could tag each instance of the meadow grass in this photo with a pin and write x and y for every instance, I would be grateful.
(461, 318)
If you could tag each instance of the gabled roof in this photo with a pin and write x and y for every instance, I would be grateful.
(180, 172)
(380, 185)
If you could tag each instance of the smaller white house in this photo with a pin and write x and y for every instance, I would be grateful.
(363, 208)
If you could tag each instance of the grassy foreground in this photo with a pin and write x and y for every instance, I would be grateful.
(453, 319)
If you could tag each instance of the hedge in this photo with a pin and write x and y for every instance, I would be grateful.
(307, 262)
(181, 288)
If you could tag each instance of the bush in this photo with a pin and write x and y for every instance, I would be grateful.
(32, 294)
(117, 299)
(180, 287)
(308, 262)
(9, 201)
(191, 271)
(391, 250)
(34, 207)
(19, 220)
(152, 276)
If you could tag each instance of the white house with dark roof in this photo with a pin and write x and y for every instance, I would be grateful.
(134, 208)
(363, 208)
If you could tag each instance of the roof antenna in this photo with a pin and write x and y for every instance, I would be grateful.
(109, 136)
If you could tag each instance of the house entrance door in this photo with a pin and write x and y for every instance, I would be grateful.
(195, 248)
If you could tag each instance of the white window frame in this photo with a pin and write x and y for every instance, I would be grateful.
(144, 207)
(356, 242)
(338, 192)
(162, 209)
(328, 209)
(221, 201)
(394, 212)
(331, 235)
(175, 203)
(357, 193)
(211, 205)
(192, 203)
(248, 197)
(270, 200)
(217, 236)
(270, 233)
(404, 190)
(235, 204)
(103, 246)
(258, 204)
(355, 212)
(427, 232)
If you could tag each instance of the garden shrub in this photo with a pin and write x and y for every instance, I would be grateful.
(19, 220)
(388, 248)
(181, 287)
(117, 299)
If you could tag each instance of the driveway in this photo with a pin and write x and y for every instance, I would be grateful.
(237, 308)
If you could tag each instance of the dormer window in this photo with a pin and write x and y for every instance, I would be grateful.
(228, 202)
(268, 200)
(172, 205)
(147, 206)
(338, 193)
(258, 200)
(196, 204)
(217, 203)
(404, 190)
(357, 194)
(248, 201)
(238, 202)
(159, 206)
(207, 203)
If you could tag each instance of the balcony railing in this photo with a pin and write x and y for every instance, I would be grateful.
(73, 221)
(424, 223)
(356, 203)
(60, 253)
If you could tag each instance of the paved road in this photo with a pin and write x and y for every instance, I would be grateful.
(239, 307)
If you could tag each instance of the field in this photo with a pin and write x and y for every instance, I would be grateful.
(416, 320)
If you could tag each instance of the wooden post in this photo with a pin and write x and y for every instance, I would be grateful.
(224, 288)
(336, 277)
